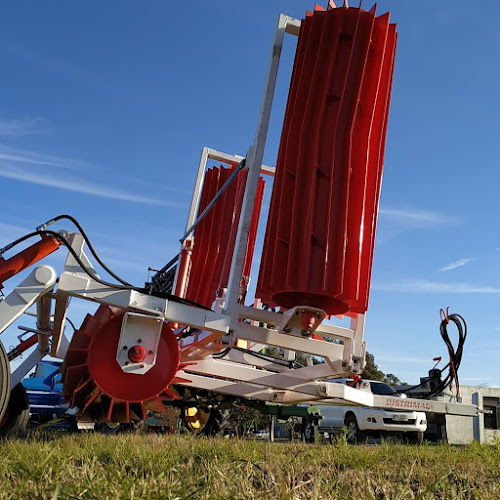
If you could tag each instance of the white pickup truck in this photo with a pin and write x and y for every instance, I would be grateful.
(361, 422)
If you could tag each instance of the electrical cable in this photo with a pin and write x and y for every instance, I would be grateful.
(455, 356)
(87, 240)
(87, 271)
(265, 357)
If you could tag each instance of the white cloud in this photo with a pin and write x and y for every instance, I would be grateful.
(475, 379)
(457, 263)
(64, 173)
(10, 232)
(425, 286)
(417, 218)
(14, 127)
(403, 359)
(78, 185)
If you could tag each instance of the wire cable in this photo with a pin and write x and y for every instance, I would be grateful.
(87, 240)
(92, 275)
(455, 356)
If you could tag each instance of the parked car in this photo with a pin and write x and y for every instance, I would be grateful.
(360, 422)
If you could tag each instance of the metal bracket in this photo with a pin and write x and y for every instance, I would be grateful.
(301, 321)
(138, 344)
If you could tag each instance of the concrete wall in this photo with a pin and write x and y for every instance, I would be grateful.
(463, 430)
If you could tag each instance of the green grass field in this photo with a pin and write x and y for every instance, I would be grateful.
(177, 467)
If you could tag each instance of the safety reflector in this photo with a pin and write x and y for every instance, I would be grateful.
(318, 248)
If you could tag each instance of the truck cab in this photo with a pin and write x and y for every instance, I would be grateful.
(361, 422)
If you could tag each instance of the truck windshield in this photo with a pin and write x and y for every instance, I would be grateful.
(382, 389)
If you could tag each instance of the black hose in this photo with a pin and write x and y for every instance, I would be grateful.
(87, 271)
(87, 240)
(455, 356)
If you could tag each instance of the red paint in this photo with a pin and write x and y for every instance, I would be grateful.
(95, 382)
(27, 257)
(318, 248)
(214, 237)
(137, 354)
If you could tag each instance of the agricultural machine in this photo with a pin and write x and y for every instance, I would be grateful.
(190, 334)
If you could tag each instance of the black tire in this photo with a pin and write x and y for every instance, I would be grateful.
(354, 435)
(18, 412)
(307, 432)
(217, 423)
(108, 428)
(4, 381)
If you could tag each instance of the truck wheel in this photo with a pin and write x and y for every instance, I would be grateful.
(354, 435)
(17, 416)
(4, 381)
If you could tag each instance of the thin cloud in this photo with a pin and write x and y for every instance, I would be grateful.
(399, 359)
(63, 173)
(15, 127)
(457, 263)
(78, 186)
(417, 218)
(424, 286)
(10, 232)
(10, 155)
(475, 379)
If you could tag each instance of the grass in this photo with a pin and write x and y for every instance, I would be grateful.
(176, 467)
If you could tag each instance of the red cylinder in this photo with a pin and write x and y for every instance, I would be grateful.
(320, 235)
(27, 257)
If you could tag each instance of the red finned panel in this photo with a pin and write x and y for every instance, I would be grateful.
(215, 235)
(318, 248)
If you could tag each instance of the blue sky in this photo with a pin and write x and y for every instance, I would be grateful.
(106, 106)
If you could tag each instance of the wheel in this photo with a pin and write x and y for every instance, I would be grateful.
(416, 438)
(4, 381)
(108, 427)
(17, 416)
(307, 432)
(354, 435)
(195, 418)
(217, 422)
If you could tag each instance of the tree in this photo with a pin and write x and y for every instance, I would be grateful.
(371, 371)
(391, 379)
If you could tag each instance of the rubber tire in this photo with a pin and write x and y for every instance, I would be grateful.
(354, 435)
(19, 412)
(217, 423)
(104, 428)
(4, 381)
